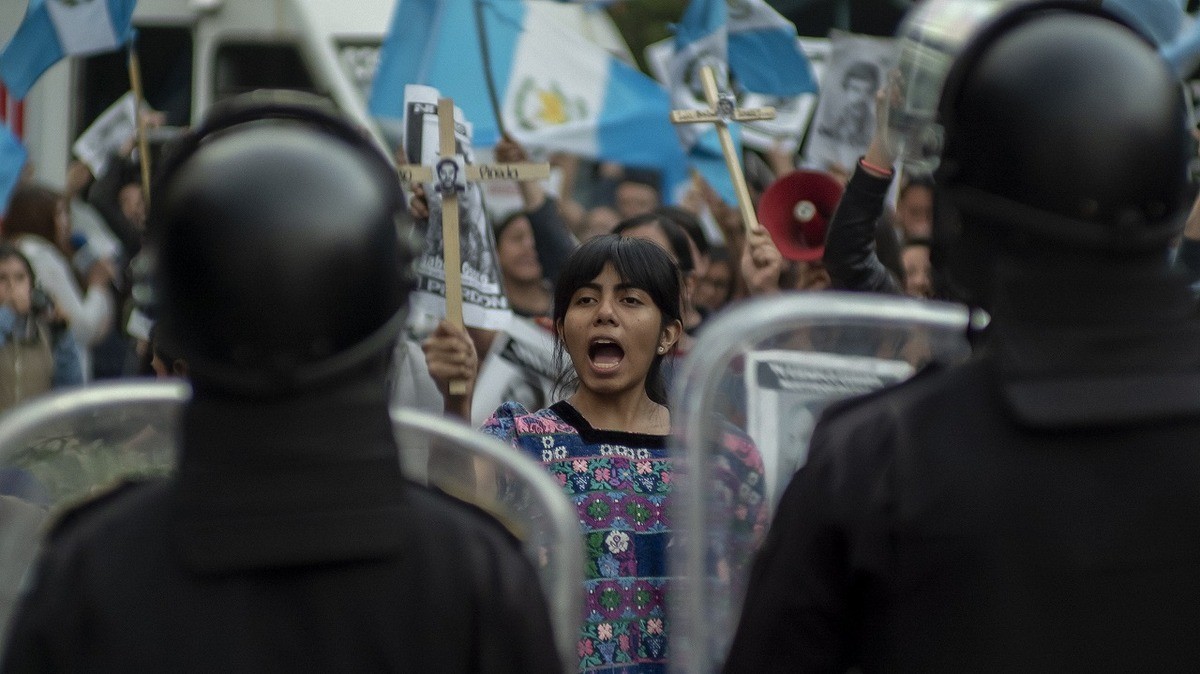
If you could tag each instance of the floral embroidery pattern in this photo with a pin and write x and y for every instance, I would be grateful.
(620, 491)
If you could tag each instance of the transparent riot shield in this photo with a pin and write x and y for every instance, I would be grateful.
(479, 469)
(58, 450)
(765, 370)
(62, 448)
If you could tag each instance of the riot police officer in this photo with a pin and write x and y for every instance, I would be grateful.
(288, 539)
(1036, 508)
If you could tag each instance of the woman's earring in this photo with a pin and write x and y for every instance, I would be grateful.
(662, 349)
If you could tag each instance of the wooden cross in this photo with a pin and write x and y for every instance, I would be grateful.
(452, 174)
(722, 108)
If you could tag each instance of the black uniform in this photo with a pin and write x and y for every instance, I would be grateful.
(851, 254)
(288, 539)
(276, 550)
(1036, 509)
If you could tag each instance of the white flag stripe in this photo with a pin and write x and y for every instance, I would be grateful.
(85, 28)
(557, 85)
(756, 15)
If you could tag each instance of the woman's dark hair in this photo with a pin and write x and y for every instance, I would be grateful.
(640, 263)
(689, 223)
(8, 250)
(33, 210)
(674, 233)
(497, 230)
(40, 303)
(720, 255)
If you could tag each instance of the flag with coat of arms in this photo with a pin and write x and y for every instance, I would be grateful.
(55, 29)
(555, 89)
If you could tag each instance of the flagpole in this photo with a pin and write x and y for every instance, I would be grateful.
(481, 29)
(135, 81)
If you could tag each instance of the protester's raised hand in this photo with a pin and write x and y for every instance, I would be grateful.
(761, 263)
(450, 356)
(882, 151)
(418, 206)
(781, 159)
(509, 151)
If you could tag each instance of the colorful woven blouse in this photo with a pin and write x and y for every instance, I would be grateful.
(619, 483)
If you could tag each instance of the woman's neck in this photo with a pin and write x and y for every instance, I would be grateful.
(530, 297)
(632, 412)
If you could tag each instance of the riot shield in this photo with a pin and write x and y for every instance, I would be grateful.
(65, 447)
(479, 469)
(765, 370)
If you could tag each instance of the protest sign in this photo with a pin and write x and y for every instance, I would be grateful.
(115, 127)
(786, 391)
(484, 303)
(845, 117)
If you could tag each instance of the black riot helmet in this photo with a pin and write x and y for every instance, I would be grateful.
(278, 259)
(1063, 131)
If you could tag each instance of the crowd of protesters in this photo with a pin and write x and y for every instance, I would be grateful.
(78, 244)
(610, 281)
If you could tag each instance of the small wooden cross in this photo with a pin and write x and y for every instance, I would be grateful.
(452, 174)
(722, 108)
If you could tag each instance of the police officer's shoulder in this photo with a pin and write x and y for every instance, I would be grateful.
(443, 512)
(101, 507)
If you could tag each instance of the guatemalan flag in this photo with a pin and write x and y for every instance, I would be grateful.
(54, 29)
(701, 40)
(12, 160)
(764, 54)
(742, 39)
(1168, 26)
(556, 90)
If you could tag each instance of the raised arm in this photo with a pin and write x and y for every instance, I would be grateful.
(551, 237)
(850, 255)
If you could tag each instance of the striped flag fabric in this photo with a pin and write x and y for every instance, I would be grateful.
(751, 48)
(556, 90)
(12, 161)
(55, 29)
(764, 52)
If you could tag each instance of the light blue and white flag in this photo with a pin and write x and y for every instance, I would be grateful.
(1168, 26)
(12, 160)
(54, 29)
(759, 47)
(765, 55)
(556, 90)
(1158, 20)
(740, 39)
(701, 40)
(1182, 53)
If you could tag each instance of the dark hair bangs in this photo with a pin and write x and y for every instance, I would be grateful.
(642, 264)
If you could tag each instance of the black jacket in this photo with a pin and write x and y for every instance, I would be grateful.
(850, 254)
(283, 547)
(553, 241)
(1033, 510)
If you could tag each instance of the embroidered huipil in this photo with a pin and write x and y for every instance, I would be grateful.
(620, 484)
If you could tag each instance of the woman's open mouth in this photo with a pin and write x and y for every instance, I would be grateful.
(605, 354)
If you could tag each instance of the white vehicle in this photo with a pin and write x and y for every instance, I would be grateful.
(196, 52)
